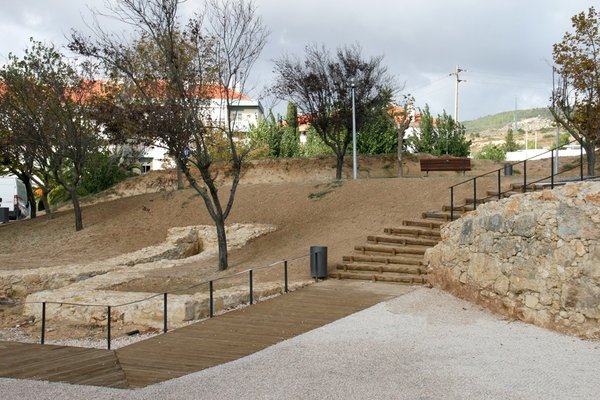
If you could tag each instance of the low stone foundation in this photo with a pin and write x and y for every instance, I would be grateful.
(534, 257)
(181, 309)
(91, 283)
(181, 242)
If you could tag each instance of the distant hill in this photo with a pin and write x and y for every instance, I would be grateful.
(499, 121)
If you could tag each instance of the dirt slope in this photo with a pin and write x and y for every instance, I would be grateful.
(297, 196)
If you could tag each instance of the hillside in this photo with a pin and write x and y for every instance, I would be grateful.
(505, 119)
(307, 209)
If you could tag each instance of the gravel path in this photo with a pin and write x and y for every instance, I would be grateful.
(422, 345)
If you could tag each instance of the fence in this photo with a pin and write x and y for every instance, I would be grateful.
(499, 193)
(211, 303)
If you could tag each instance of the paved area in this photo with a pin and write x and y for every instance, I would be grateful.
(422, 345)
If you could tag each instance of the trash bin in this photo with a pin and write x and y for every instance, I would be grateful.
(508, 169)
(318, 262)
(3, 214)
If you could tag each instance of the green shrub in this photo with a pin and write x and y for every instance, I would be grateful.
(491, 152)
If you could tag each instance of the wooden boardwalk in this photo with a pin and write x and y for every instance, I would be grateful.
(202, 345)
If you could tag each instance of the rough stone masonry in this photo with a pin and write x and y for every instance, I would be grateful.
(534, 257)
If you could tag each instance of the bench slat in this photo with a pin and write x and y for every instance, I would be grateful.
(445, 164)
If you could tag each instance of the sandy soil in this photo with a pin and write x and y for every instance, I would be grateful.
(299, 197)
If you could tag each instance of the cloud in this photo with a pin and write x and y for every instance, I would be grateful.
(506, 45)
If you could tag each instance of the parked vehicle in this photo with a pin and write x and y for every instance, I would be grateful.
(13, 195)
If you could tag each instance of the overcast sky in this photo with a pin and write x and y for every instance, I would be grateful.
(505, 46)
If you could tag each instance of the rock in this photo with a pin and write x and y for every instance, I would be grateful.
(524, 225)
(531, 301)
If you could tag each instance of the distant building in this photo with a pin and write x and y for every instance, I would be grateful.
(243, 112)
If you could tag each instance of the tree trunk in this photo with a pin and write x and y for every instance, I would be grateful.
(179, 178)
(590, 150)
(76, 210)
(30, 197)
(339, 166)
(400, 151)
(46, 204)
(222, 242)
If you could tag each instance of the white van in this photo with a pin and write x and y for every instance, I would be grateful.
(13, 195)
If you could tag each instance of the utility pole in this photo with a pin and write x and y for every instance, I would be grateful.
(456, 73)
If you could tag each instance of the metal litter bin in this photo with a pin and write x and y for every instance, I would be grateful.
(318, 262)
(508, 169)
(3, 214)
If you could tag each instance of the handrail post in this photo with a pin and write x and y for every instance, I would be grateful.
(451, 203)
(581, 161)
(285, 275)
(552, 169)
(108, 327)
(211, 309)
(43, 322)
(251, 288)
(165, 312)
(499, 186)
(524, 176)
(474, 193)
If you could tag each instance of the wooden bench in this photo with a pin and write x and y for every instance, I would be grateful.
(445, 164)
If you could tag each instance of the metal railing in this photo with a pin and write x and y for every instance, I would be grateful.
(525, 184)
(211, 305)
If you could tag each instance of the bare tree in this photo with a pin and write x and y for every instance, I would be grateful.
(321, 84)
(171, 72)
(576, 96)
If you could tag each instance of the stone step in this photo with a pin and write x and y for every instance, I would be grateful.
(410, 279)
(405, 259)
(389, 249)
(381, 268)
(423, 223)
(413, 231)
(402, 240)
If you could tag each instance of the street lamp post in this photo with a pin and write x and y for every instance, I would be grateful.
(354, 158)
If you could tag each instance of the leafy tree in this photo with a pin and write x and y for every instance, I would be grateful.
(265, 138)
(168, 71)
(321, 86)
(509, 142)
(290, 140)
(576, 97)
(378, 135)
(102, 172)
(314, 146)
(440, 136)
(54, 100)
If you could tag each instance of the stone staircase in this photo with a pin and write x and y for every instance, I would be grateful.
(397, 254)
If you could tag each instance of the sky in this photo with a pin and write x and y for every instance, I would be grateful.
(504, 46)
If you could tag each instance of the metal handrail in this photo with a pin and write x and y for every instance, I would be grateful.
(210, 282)
(525, 183)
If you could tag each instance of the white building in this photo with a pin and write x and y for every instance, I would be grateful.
(243, 111)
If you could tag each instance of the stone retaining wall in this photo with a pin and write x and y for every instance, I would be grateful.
(534, 257)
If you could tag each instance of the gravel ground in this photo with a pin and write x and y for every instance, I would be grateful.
(422, 345)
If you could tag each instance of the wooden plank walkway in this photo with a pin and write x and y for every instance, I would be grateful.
(61, 364)
(202, 345)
